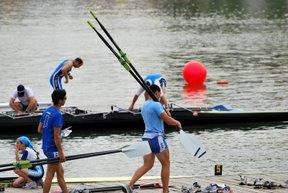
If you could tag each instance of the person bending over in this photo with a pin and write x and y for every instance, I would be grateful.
(25, 102)
(63, 70)
(151, 79)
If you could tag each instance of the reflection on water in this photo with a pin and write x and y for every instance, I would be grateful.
(244, 42)
(195, 94)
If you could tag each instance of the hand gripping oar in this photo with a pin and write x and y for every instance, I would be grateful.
(133, 150)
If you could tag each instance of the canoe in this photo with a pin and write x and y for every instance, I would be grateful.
(122, 119)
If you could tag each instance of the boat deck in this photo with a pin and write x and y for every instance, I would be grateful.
(177, 182)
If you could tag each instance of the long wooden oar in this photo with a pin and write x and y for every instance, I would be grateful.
(186, 140)
(133, 150)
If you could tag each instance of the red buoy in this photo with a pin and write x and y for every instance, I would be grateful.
(194, 72)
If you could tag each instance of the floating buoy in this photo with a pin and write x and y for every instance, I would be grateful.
(223, 81)
(194, 72)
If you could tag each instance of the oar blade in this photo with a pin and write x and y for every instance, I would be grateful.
(137, 149)
(192, 144)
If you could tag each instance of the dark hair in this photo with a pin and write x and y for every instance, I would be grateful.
(154, 88)
(58, 95)
(79, 60)
(20, 90)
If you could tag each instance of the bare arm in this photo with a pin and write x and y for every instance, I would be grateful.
(39, 129)
(13, 106)
(32, 104)
(169, 120)
(65, 70)
(164, 102)
(133, 102)
(57, 140)
(16, 154)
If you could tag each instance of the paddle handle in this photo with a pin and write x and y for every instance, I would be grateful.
(68, 158)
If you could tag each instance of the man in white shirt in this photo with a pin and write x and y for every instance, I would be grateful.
(26, 101)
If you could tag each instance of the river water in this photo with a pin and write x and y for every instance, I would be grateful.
(245, 42)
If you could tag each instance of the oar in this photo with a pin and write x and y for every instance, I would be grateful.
(66, 132)
(192, 144)
(133, 150)
(130, 68)
(123, 59)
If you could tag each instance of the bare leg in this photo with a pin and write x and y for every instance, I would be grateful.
(19, 182)
(51, 169)
(32, 106)
(163, 157)
(16, 107)
(24, 174)
(60, 178)
(23, 178)
(148, 161)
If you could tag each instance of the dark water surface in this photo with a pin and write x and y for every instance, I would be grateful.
(245, 42)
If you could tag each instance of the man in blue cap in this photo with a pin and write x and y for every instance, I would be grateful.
(26, 101)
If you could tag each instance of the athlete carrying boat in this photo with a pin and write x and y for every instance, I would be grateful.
(63, 70)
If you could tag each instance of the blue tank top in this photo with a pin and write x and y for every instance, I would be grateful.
(59, 67)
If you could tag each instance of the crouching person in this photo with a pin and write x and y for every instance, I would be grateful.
(28, 178)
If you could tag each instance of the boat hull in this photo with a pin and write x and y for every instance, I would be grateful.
(81, 119)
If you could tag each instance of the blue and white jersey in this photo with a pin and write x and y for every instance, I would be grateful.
(56, 77)
(51, 118)
(151, 112)
(35, 172)
(59, 67)
(156, 79)
(28, 154)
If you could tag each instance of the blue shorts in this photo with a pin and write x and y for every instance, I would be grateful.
(157, 144)
(49, 154)
(36, 173)
(24, 107)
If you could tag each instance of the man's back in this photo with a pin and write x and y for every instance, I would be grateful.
(50, 119)
(151, 112)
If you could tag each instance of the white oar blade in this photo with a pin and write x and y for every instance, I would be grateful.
(192, 144)
(66, 132)
(137, 149)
